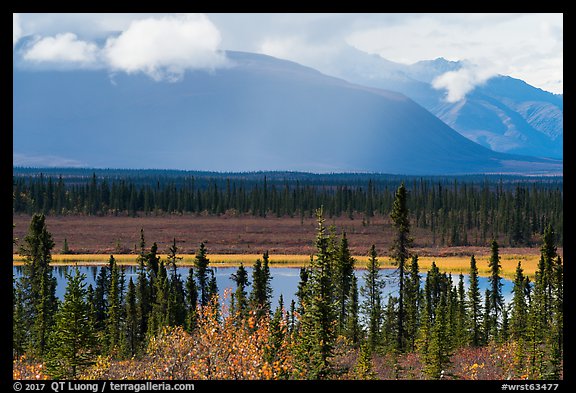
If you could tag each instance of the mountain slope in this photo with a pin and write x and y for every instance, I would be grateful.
(504, 114)
(260, 113)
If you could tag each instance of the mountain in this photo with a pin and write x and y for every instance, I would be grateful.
(259, 113)
(504, 114)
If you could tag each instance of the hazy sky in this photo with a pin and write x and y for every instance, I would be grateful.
(525, 46)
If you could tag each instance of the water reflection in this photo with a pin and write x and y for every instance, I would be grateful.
(284, 280)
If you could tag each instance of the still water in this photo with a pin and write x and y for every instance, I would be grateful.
(284, 280)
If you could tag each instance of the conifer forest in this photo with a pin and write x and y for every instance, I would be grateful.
(157, 324)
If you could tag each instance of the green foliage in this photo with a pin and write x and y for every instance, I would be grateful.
(364, 368)
(371, 307)
(317, 334)
(38, 285)
(201, 264)
(261, 294)
(443, 323)
(399, 252)
(73, 340)
(474, 306)
(512, 209)
(496, 299)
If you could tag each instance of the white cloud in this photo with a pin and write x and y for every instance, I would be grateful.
(16, 29)
(513, 44)
(525, 46)
(166, 47)
(299, 49)
(460, 82)
(63, 48)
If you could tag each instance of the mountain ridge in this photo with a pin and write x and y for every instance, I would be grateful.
(260, 113)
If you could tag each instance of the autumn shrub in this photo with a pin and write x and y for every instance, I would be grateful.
(25, 369)
(214, 350)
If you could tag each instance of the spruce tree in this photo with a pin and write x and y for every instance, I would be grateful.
(412, 303)
(518, 319)
(274, 352)
(371, 307)
(437, 357)
(344, 271)
(353, 330)
(261, 294)
(191, 302)
(114, 317)
(201, 264)
(159, 313)
(399, 252)
(38, 284)
(132, 341)
(474, 306)
(20, 333)
(496, 298)
(176, 307)
(317, 335)
(240, 306)
(73, 340)
(364, 368)
(461, 322)
(101, 298)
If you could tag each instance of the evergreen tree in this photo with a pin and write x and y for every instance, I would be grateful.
(353, 330)
(261, 294)
(132, 343)
(344, 271)
(461, 315)
(556, 339)
(143, 293)
(437, 357)
(364, 368)
(159, 314)
(316, 339)
(101, 298)
(400, 253)
(518, 320)
(371, 307)
(191, 302)
(240, 305)
(535, 334)
(487, 319)
(496, 298)
(412, 303)
(474, 306)
(389, 327)
(38, 285)
(20, 333)
(278, 333)
(201, 264)
(176, 307)
(73, 339)
(302, 291)
(114, 318)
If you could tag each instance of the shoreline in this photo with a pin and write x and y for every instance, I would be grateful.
(448, 264)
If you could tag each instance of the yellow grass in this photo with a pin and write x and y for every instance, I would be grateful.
(451, 264)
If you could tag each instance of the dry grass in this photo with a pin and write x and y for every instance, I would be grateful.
(450, 264)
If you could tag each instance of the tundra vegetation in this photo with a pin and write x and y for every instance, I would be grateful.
(158, 326)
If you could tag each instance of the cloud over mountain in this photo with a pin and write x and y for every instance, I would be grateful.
(258, 113)
(162, 47)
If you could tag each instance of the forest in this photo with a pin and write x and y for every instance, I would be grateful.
(455, 211)
(157, 326)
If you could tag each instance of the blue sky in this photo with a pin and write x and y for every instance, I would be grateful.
(163, 46)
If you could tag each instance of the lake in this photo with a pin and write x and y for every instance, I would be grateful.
(284, 280)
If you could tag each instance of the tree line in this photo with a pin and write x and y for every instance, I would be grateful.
(431, 318)
(455, 212)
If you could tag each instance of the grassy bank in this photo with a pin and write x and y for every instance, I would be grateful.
(450, 264)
